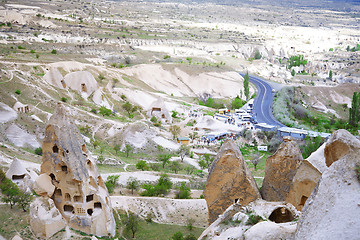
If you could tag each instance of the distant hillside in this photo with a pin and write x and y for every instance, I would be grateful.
(338, 5)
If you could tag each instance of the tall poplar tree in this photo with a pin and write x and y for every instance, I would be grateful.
(246, 86)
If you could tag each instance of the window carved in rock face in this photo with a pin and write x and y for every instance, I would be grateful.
(52, 176)
(80, 210)
(89, 198)
(68, 209)
(78, 198)
(83, 148)
(100, 181)
(64, 169)
(18, 177)
(58, 192)
(67, 197)
(97, 205)
(55, 149)
(303, 200)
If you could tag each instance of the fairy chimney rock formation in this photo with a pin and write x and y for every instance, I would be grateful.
(332, 211)
(229, 181)
(80, 194)
(280, 170)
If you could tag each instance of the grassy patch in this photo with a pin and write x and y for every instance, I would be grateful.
(157, 231)
(14, 221)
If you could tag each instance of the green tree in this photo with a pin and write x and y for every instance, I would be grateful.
(190, 224)
(183, 192)
(330, 75)
(95, 142)
(293, 72)
(111, 182)
(164, 184)
(183, 151)
(175, 130)
(208, 159)
(257, 55)
(128, 149)
(24, 200)
(236, 103)
(354, 111)
(10, 192)
(164, 158)
(132, 184)
(129, 108)
(105, 111)
(38, 151)
(132, 223)
(246, 86)
(202, 163)
(175, 166)
(142, 165)
(117, 148)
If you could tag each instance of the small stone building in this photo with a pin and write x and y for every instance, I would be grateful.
(229, 181)
(19, 107)
(80, 194)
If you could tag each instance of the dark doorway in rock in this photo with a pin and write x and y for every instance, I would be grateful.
(97, 205)
(68, 208)
(55, 149)
(281, 215)
(236, 200)
(89, 198)
(90, 211)
(303, 200)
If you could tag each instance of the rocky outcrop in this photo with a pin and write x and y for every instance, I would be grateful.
(45, 218)
(276, 220)
(229, 181)
(332, 211)
(80, 194)
(280, 170)
(338, 146)
(306, 178)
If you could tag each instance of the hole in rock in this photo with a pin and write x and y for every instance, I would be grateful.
(281, 215)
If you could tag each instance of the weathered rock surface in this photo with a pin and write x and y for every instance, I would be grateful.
(80, 194)
(306, 178)
(271, 231)
(338, 146)
(43, 186)
(280, 170)
(277, 222)
(229, 181)
(45, 218)
(304, 182)
(333, 209)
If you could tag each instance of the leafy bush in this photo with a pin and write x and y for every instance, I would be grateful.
(296, 61)
(105, 111)
(237, 103)
(177, 236)
(39, 151)
(257, 55)
(166, 57)
(153, 119)
(111, 182)
(53, 51)
(162, 187)
(63, 99)
(142, 165)
(17, 91)
(311, 145)
(253, 219)
(184, 192)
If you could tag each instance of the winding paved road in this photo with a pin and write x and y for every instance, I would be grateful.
(263, 102)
